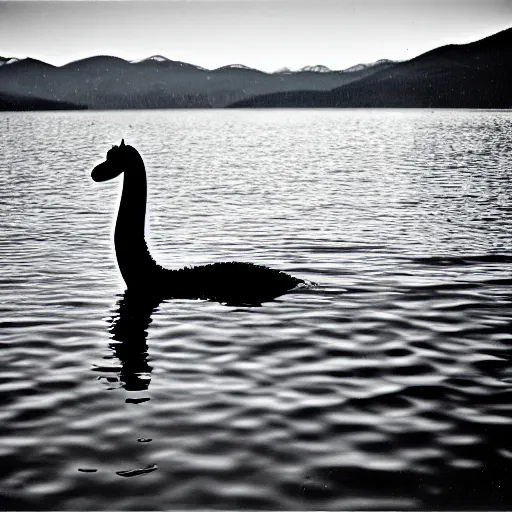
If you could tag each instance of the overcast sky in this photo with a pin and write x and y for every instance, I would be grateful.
(266, 34)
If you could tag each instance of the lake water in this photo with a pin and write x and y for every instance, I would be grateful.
(386, 385)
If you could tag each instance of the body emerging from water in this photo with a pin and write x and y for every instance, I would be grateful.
(230, 282)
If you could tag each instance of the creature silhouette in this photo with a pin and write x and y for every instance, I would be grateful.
(230, 282)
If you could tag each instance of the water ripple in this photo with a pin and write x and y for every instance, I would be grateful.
(386, 385)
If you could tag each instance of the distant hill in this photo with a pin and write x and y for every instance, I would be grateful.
(104, 82)
(474, 75)
(19, 103)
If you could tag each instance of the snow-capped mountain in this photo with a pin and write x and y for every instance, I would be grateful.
(361, 67)
(7, 60)
(155, 58)
(319, 68)
(306, 69)
(236, 66)
(164, 61)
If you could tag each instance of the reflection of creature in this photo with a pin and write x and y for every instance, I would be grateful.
(128, 331)
(232, 282)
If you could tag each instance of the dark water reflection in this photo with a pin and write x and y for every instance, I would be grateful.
(387, 386)
(128, 331)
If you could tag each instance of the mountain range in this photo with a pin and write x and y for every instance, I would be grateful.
(473, 75)
(104, 82)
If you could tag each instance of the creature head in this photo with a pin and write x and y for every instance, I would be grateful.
(114, 165)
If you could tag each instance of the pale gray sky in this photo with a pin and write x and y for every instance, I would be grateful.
(266, 34)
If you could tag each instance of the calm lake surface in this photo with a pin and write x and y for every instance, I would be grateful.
(387, 385)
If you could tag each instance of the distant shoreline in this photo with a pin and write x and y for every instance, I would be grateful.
(270, 109)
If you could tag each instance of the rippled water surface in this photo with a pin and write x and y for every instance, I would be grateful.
(387, 385)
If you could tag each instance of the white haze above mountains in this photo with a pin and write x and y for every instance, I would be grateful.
(311, 68)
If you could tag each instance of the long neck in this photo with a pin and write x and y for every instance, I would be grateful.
(133, 258)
